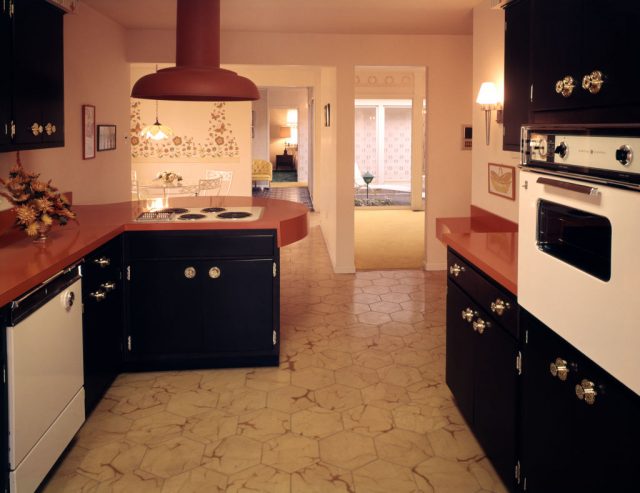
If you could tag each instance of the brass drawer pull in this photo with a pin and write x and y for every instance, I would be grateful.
(190, 272)
(98, 295)
(102, 261)
(500, 306)
(480, 326)
(593, 82)
(565, 86)
(108, 286)
(455, 270)
(586, 391)
(559, 369)
(468, 314)
(214, 272)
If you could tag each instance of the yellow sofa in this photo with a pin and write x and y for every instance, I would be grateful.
(262, 170)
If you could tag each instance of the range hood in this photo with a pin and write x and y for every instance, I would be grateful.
(197, 75)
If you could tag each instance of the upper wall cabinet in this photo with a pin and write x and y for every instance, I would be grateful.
(583, 68)
(5, 76)
(36, 76)
(570, 62)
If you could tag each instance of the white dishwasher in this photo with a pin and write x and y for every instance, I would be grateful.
(45, 377)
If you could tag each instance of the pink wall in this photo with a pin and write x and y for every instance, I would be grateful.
(96, 72)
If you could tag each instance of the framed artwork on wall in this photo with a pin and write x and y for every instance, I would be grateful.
(88, 131)
(106, 137)
(502, 180)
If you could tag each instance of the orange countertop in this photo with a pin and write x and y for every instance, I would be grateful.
(25, 264)
(487, 241)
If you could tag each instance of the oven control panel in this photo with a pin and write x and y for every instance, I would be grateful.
(602, 153)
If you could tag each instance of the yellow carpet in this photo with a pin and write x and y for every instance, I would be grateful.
(389, 239)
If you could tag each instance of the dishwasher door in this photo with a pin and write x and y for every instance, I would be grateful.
(45, 382)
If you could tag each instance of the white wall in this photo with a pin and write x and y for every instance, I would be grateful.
(488, 65)
(95, 72)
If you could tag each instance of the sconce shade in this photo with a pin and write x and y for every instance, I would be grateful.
(285, 132)
(488, 94)
(197, 75)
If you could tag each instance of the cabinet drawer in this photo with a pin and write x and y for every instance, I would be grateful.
(104, 263)
(491, 297)
(198, 244)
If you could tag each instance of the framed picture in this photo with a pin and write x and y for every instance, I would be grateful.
(327, 115)
(106, 137)
(88, 131)
(502, 180)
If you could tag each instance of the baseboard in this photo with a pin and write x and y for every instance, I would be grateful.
(435, 266)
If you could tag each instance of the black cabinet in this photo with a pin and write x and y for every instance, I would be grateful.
(516, 72)
(36, 77)
(202, 298)
(582, 69)
(102, 320)
(586, 444)
(4, 404)
(481, 359)
(285, 161)
(5, 76)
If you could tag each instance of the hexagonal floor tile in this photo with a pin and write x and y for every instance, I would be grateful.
(338, 397)
(259, 478)
(373, 358)
(316, 422)
(290, 452)
(198, 479)
(400, 375)
(347, 449)
(447, 476)
(374, 318)
(232, 454)
(358, 377)
(385, 307)
(368, 420)
(312, 378)
(210, 426)
(268, 378)
(264, 424)
(403, 447)
(290, 399)
(385, 395)
(242, 400)
(382, 477)
(156, 428)
(172, 457)
(106, 462)
(321, 478)
(192, 402)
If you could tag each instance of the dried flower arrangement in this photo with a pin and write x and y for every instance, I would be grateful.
(168, 176)
(37, 203)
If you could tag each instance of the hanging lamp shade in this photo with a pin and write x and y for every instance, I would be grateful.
(197, 75)
(157, 131)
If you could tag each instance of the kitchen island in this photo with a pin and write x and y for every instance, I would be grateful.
(25, 264)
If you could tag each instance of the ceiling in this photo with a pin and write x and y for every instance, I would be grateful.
(307, 16)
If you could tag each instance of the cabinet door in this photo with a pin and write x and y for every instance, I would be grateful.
(238, 302)
(165, 311)
(516, 73)
(556, 43)
(5, 75)
(547, 411)
(496, 395)
(38, 93)
(460, 350)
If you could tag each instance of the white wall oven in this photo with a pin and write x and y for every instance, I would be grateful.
(579, 240)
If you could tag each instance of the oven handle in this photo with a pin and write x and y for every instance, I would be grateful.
(574, 187)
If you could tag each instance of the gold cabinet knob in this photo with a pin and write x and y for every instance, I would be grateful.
(593, 82)
(565, 86)
(190, 272)
(50, 128)
(468, 314)
(214, 272)
(455, 270)
(102, 261)
(559, 369)
(36, 129)
(500, 306)
(586, 391)
(480, 325)
(108, 286)
(98, 295)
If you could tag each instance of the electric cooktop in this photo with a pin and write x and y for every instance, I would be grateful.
(205, 214)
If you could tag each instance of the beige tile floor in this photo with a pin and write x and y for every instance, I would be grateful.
(358, 403)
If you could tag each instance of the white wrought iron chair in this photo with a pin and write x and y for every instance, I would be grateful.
(210, 187)
(226, 176)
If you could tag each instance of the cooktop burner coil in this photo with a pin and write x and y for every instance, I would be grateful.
(174, 210)
(213, 209)
(191, 217)
(234, 215)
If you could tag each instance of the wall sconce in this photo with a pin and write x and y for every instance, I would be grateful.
(488, 100)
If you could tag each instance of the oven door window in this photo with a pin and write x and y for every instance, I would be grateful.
(576, 237)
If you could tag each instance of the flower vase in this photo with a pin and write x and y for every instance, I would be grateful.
(43, 234)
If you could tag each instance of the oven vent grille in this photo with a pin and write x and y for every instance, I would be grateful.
(154, 216)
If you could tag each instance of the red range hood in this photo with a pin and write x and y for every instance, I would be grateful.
(197, 75)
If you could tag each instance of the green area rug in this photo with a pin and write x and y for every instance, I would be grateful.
(285, 175)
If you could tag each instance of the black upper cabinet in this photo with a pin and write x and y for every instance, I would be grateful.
(516, 72)
(36, 82)
(582, 61)
(5, 77)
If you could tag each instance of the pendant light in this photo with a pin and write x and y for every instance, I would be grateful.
(197, 75)
(157, 131)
